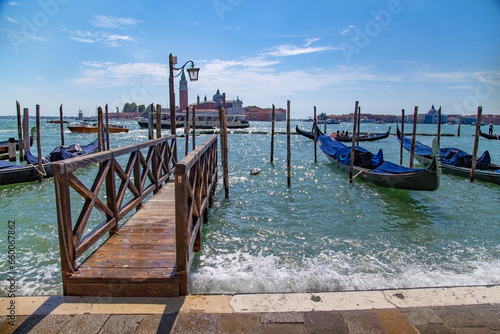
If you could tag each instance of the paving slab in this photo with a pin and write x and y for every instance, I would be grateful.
(196, 323)
(121, 324)
(362, 322)
(325, 322)
(85, 324)
(244, 323)
(156, 323)
(394, 322)
(457, 316)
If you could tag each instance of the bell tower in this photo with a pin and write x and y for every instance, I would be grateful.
(183, 92)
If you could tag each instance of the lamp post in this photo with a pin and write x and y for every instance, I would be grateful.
(193, 76)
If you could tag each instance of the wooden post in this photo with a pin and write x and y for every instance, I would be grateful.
(476, 142)
(99, 130)
(106, 132)
(224, 155)
(20, 131)
(315, 132)
(439, 128)
(39, 144)
(26, 130)
(353, 146)
(151, 121)
(324, 126)
(158, 121)
(402, 135)
(62, 124)
(288, 151)
(186, 131)
(459, 123)
(358, 125)
(194, 127)
(11, 148)
(413, 135)
(273, 116)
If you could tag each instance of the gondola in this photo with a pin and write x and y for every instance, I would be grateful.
(372, 168)
(487, 136)
(455, 161)
(365, 137)
(11, 173)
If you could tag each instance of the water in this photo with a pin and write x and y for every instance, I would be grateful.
(321, 234)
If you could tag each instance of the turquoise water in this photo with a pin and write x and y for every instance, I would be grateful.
(319, 234)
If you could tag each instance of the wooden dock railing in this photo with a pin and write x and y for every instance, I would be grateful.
(115, 192)
(124, 190)
(195, 182)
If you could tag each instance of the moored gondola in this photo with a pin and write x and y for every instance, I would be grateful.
(364, 137)
(455, 161)
(372, 168)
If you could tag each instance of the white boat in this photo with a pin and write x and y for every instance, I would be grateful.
(204, 120)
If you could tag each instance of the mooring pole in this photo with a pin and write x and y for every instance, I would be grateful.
(39, 144)
(315, 132)
(107, 126)
(100, 141)
(194, 127)
(413, 135)
(288, 151)
(358, 125)
(26, 130)
(186, 131)
(272, 134)
(19, 131)
(459, 123)
(439, 127)
(61, 123)
(223, 135)
(402, 135)
(353, 146)
(158, 121)
(476, 142)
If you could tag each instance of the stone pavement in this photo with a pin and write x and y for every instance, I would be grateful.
(460, 310)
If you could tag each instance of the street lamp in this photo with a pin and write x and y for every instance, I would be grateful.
(193, 76)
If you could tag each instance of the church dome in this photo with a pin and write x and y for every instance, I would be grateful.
(217, 97)
(432, 110)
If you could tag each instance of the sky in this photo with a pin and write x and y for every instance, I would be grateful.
(388, 55)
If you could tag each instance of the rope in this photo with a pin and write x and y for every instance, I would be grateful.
(43, 172)
(355, 176)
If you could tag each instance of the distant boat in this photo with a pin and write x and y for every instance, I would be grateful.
(82, 128)
(204, 120)
(56, 121)
(487, 136)
(366, 137)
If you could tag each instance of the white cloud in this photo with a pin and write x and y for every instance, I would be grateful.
(102, 21)
(309, 41)
(292, 50)
(107, 39)
(12, 20)
(347, 29)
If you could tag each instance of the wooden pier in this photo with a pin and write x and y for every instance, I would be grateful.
(151, 253)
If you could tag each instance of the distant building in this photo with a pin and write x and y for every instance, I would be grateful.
(183, 92)
(233, 107)
(432, 117)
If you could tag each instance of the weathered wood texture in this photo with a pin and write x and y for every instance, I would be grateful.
(149, 255)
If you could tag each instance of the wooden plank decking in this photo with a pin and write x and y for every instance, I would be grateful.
(137, 261)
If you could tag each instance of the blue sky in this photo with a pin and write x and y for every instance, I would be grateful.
(389, 55)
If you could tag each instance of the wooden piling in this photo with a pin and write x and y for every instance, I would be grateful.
(39, 144)
(106, 131)
(459, 123)
(158, 121)
(315, 131)
(402, 134)
(358, 125)
(62, 123)
(224, 155)
(186, 131)
(439, 128)
(26, 130)
(100, 143)
(11, 149)
(194, 127)
(273, 116)
(20, 131)
(413, 135)
(353, 146)
(288, 151)
(151, 122)
(476, 142)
